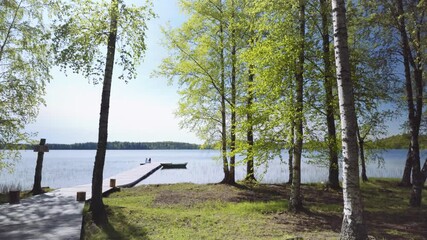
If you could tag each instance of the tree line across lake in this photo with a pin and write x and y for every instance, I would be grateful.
(400, 142)
(392, 142)
(123, 146)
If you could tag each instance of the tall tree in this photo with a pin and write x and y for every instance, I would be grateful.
(353, 225)
(274, 57)
(333, 177)
(406, 19)
(233, 86)
(213, 77)
(81, 29)
(372, 78)
(375, 80)
(222, 92)
(96, 204)
(415, 16)
(200, 63)
(25, 66)
(250, 95)
(295, 202)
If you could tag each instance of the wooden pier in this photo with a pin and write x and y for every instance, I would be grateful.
(57, 214)
(124, 179)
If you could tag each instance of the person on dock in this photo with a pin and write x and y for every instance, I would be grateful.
(149, 160)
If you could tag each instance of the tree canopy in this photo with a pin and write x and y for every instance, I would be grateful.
(81, 29)
(25, 65)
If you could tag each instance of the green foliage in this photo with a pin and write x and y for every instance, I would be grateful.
(273, 52)
(204, 62)
(81, 34)
(373, 68)
(24, 70)
(202, 54)
(268, 41)
(195, 64)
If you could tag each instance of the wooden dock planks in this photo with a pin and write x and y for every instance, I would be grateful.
(57, 215)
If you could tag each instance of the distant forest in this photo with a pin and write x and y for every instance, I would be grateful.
(392, 142)
(401, 142)
(123, 146)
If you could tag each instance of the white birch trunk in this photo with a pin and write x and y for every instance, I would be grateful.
(353, 226)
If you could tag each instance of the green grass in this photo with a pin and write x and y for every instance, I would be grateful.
(139, 219)
(188, 211)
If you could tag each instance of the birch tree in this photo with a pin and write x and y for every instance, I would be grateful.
(353, 225)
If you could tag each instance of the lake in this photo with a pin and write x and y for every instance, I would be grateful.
(66, 168)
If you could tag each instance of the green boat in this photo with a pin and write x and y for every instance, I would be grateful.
(174, 165)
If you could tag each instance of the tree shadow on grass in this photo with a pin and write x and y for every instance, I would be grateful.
(117, 226)
(261, 192)
(409, 224)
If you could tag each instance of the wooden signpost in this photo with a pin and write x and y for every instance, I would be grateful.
(41, 149)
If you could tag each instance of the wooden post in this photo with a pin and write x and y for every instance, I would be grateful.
(41, 149)
(113, 183)
(14, 197)
(81, 196)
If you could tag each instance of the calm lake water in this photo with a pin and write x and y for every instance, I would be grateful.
(66, 168)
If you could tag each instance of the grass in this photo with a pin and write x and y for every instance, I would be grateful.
(189, 211)
(386, 207)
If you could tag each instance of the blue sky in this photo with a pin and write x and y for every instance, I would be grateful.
(142, 110)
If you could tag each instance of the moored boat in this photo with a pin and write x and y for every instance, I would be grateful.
(173, 165)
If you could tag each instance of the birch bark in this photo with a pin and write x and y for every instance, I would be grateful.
(353, 225)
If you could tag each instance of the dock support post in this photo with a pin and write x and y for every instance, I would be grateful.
(81, 196)
(14, 197)
(113, 183)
